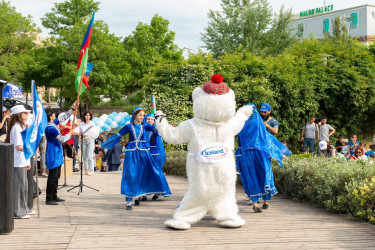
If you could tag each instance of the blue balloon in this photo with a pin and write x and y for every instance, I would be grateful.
(112, 116)
(95, 122)
(105, 126)
(95, 119)
(108, 121)
(122, 123)
(127, 118)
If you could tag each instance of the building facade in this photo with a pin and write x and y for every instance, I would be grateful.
(360, 22)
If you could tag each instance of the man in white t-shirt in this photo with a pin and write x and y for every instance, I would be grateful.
(324, 129)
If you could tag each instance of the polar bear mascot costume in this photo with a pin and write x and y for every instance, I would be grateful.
(210, 163)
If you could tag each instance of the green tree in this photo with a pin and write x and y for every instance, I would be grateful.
(17, 34)
(57, 59)
(248, 24)
(149, 44)
(66, 15)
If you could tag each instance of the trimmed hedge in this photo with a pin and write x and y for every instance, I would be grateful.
(340, 186)
(176, 163)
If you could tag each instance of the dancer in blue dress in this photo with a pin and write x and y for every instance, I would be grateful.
(141, 175)
(256, 147)
(157, 150)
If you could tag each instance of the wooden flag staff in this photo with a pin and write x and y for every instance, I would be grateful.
(79, 93)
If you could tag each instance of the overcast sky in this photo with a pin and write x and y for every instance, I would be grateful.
(187, 18)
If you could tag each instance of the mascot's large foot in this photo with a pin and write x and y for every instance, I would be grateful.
(232, 223)
(177, 224)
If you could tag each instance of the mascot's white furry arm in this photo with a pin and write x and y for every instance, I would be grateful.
(210, 164)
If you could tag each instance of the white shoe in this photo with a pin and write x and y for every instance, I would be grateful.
(90, 173)
(26, 216)
(31, 213)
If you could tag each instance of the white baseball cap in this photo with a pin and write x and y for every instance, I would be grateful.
(63, 118)
(322, 145)
(19, 109)
(159, 113)
(4, 109)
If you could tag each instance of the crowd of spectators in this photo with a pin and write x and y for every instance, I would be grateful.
(319, 134)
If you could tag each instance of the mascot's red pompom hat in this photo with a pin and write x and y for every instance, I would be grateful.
(216, 86)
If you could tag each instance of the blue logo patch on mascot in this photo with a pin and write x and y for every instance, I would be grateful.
(214, 153)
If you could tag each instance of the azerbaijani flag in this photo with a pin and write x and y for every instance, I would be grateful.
(153, 105)
(84, 68)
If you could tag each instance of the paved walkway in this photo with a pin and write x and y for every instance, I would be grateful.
(99, 220)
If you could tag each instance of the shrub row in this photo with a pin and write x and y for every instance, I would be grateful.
(340, 186)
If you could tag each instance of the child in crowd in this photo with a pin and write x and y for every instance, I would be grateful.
(141, 175)
(98, 157)
(303, 150)
(345, 148)
(20, 186)
(339, 144)
(353, 144)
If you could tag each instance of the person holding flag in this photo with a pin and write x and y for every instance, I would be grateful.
(157, 151)
(17, 124)
(33, 135)
(54, 152)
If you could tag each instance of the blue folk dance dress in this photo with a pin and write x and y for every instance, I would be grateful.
(157, 151)
(256, 147)
(141, 175)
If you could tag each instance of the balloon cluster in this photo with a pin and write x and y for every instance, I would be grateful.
(111, 121)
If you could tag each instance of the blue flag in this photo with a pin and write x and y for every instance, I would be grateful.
(31, 136)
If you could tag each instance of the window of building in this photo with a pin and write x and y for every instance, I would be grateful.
(325, 25)
(300, 30)
(353, 20)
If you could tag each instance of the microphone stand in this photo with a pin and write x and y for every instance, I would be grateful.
(65, 184)
(80, 185)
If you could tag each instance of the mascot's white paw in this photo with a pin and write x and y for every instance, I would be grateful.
(232, 223)
(247, 110)
(177, 224)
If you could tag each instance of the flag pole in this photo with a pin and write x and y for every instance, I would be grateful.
(79, 93)
(35, 164)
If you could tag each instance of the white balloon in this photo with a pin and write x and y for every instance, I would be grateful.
(113, 124)
(100, 123)
(128, 122)
(103, 117)
(118, 118)
(108, 129)
(93, 132)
